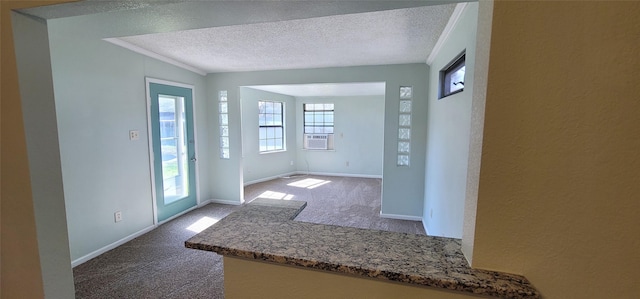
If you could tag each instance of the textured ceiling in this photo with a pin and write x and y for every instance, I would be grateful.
(326, 89)
(209, 36)
(373, 38)
(91, 7)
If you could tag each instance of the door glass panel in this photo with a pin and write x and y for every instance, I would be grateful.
(175, 167)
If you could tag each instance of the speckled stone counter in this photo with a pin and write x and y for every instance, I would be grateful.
(265, 230)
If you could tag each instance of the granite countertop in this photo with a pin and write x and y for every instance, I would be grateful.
(265, 230)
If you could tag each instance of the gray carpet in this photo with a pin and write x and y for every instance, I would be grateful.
(157, 265)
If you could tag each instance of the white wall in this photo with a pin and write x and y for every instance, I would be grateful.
(100, 96)
(403, 187)
(449, 121)
(259, 166)
(358, 138)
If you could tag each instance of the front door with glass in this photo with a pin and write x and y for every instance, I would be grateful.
(173, 147)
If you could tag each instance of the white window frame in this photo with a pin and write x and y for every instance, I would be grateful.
(307, 135)
(263, 122)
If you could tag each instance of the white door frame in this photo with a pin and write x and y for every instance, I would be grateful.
(149, 80)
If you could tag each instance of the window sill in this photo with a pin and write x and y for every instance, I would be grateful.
(272, 152)
(319, 150)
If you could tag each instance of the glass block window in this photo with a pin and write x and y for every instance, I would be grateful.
(405, 120)
(404, 125)
(404, 134)
(223, 118)
(404, 147)
(405, 106)
(271, 126)
(403, 160)
(406, 92)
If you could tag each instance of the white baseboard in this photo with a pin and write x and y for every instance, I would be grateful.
(113, 245)
(401, 217)
(179, 214)
(128, 238)
(225, 202)
(424, 225)
(352, 175)
(204, 203)
(273, 177)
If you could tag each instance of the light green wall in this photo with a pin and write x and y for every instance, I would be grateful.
(261, 166)
(226, 180)
(100, 96)
(358, 138)
(358, 123)
(403, 187)
(449, 121)
(38, 107)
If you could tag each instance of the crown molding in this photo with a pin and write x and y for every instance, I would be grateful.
(145, 52)
(453, 20)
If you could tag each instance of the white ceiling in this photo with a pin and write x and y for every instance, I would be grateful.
(374, 38)
(326, 89)
(207, 36)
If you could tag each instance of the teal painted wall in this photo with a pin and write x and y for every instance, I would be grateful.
(449, 121)
(100, 95)
(403, 187)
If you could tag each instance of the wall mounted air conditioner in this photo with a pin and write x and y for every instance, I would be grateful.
(316, 141)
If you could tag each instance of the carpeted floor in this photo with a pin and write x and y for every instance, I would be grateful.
(157, 265)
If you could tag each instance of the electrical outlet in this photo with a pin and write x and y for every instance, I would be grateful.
(134, 135)
(117, 216)
(291, 163)
(347, 163)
